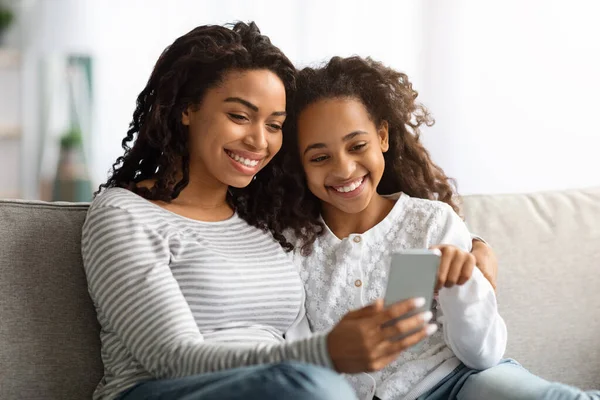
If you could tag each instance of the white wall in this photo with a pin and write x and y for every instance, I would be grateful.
(306, 30)
(126, 49)
(513, 84)
(515, 88)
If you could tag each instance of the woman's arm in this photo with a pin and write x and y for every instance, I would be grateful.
(486, 260)
(136, 297)
(300, 329)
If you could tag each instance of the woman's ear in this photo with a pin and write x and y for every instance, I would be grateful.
(185, 116)
(384, 136)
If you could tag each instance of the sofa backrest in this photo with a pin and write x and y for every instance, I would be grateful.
(548, 245)
(49, 335)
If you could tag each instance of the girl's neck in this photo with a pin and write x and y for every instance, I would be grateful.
(343, 224)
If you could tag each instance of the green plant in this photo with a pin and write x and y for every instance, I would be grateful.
(71, 138)
(6, 18)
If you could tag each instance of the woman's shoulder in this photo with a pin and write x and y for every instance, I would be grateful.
(120, 205)
(116, 197)
(120, 201)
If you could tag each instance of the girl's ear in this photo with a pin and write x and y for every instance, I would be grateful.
(384, 136)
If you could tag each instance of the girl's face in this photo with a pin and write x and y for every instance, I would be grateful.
(342, 153)
(236, 130)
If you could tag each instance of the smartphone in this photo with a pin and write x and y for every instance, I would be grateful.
(413, 273)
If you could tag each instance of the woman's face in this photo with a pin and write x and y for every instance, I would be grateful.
(342, 153)
(236, 130)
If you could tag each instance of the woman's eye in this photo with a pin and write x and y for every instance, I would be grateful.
(358, 146)
(238, 117)
(275, 127)
(318, 159)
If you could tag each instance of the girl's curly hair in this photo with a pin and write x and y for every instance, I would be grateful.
(183, 73)
(388, 96)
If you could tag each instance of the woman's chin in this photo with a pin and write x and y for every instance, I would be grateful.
(239, 182)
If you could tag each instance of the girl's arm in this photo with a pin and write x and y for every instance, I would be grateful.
(473, 328)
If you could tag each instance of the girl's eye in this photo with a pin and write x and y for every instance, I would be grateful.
(358, 146)
(275, 127)
(318, 159)
(238, 117)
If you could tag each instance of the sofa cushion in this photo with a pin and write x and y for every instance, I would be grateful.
(49, 343)
(548, 245)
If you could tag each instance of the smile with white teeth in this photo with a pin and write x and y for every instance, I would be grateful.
(244, 161)
(349, 188)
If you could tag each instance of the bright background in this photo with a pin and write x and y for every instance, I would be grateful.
(514, 85)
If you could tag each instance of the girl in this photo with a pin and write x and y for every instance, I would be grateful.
(366, 187)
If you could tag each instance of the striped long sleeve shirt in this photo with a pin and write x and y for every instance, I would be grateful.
(177, 297)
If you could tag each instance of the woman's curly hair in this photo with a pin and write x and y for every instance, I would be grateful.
(388, 96)
(183, 73)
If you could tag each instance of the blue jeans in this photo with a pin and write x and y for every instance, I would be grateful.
(287, 380)
(506, 381)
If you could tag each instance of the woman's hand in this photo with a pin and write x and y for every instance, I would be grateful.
(486, 261)
(456, 266)
(363, 340)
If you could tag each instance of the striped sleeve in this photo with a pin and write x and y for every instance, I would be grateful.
(137, 298)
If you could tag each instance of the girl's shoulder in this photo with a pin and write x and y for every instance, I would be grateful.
(423, 210)
(416, 222)
(437, 222)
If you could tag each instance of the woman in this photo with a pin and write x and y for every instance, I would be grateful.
(195, 299)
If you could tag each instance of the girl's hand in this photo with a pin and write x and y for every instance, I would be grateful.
(361, 343)
(456, 266)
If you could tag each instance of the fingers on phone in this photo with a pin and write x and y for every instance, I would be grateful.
(405, 326)
(409, 341)
(388, 350)
(397, 310)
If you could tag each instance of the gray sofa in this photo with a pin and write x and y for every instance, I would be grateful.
(549, 290)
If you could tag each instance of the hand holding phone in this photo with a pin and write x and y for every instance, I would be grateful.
(363, 341)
